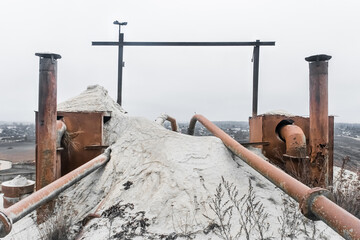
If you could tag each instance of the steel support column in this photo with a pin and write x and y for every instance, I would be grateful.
(120, 66)
(255, 78)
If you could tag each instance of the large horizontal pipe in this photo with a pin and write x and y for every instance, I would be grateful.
(313, 203)
(19, 210)
(210, 44)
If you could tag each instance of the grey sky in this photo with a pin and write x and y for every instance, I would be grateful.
(214, 81)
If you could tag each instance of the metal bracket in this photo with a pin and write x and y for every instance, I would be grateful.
(308, 200)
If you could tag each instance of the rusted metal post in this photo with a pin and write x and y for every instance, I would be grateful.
(319, 119)
(46, 120)
(256, 57)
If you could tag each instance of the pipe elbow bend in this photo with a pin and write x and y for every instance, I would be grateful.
(294, 139)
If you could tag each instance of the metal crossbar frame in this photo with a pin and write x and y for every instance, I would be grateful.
(121, 43)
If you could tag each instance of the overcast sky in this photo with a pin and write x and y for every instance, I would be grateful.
(213, 81)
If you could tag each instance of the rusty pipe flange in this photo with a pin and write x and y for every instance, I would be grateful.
(308, 200)
(5, 225)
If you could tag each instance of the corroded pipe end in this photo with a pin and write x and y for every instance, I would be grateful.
(5, 225)
(192, 124)
(317, 58)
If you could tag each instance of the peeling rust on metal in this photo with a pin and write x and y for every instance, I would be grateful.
(19, 210)
(314, 200)
(307, 201)
(319, 120)
(46, 120)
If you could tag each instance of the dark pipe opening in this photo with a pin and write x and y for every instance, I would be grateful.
(280, 125)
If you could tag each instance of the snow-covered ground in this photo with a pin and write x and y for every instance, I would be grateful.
(158, 184)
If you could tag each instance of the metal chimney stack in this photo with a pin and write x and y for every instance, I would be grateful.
(319, 120)
(46, 120)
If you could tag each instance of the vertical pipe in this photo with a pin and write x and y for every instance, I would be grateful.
(319, 120)
(330, 173)
(255, 78)
(46, 120)
(120, 66)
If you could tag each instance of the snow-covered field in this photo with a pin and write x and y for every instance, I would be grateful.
(158, 184)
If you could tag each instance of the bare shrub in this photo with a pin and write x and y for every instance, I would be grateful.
(293, 225)
(223, 211)
(290, 219)
(56, 227)
(346, 189)
(251, 213)
(183, 227)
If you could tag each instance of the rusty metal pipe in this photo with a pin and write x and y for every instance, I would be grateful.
(19, 210)
(174, 125)
(319, 119)
(312, 201)
(46, 120)
(295, 140)
(164, 117)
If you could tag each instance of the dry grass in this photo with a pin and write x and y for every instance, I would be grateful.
(68, 141)
(346, 189)
(251, 215)
(244, 216)
(293, 225)
(56, 227)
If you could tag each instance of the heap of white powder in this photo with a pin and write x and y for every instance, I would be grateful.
(157, 184)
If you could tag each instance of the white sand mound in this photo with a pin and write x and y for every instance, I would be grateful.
(18, 181)
(279, 112)
(158, 184)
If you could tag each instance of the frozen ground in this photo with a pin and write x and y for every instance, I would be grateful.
(158, 184)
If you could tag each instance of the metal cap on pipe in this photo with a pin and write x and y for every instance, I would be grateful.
(317, 58)
(48, 55)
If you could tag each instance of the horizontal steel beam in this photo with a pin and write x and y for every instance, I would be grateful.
(204, 44)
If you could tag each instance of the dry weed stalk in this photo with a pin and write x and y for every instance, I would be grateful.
(68, 142)
(294, 225)
(56, 227)
(346, 190)
(251, 213)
